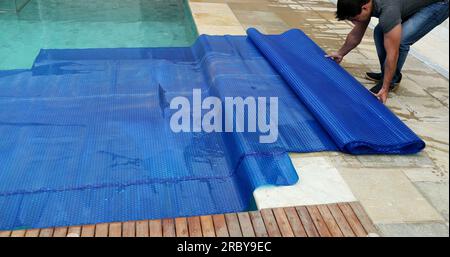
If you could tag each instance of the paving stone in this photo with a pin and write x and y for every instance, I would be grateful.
(388, 196)
(434, 84)
(414, 230)
(436, 136)
(420, 160)
(426, 175)
(215, 19)
(415, 66)
(437, 194)
(410, 88)
(426, 109)
(269, 19)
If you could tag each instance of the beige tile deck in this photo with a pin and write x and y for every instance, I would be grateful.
(389, 197)
(422, 102)
(215, 19)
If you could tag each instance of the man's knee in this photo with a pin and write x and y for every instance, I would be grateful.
(405, 47)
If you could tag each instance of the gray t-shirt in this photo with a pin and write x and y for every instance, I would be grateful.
(394, 12)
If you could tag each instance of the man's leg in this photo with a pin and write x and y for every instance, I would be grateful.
(381, 51)
(413, 30)
(418, 26)
(378, 36)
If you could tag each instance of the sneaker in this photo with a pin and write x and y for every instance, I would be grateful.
(376, 89)
(377, 77)
(374, 76)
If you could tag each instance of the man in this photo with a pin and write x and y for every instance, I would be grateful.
(401, 24)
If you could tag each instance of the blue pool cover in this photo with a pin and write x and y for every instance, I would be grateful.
(85, 134)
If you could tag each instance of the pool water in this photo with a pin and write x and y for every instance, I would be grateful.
(74, 24)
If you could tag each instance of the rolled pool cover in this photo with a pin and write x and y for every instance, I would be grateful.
(354, 118)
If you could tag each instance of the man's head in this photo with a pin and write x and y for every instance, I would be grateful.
(354, 10)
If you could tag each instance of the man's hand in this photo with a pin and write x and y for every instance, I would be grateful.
(353, 40)
(383, 95)
(336, 56)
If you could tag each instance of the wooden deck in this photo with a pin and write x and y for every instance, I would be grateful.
(334, 220)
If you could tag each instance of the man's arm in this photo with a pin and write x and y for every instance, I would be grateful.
(392, 41)
(354, 38)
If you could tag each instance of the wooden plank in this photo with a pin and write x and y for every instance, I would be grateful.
(283, 222)
(234, 229)
(307, 222)
(318, 221)
(246, 224)
(46, 232)
(207, 226)
(258, 224)
(220, 225)
(155, 228)
(332, 226)
(352, 220)
(60, 232)
(74, 231)
(168, 226)
(181, 227)
(295, 222)
(341, 220)
(88, 231)
(101, 230)
(18, 233)
(195, 227)
(364, 218)
(271, 223)
(5, 233)
(142, 228)
(33, 232)
(115, 229)
(129, 229)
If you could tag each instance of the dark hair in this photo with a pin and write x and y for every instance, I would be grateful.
(347, 9)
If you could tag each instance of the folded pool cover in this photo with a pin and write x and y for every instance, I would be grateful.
(85, 134)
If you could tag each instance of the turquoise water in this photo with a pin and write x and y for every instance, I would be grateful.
(62, 24)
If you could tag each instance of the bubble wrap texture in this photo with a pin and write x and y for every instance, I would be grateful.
(85, 134)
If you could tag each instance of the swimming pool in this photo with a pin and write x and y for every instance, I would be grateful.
(74, 24)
